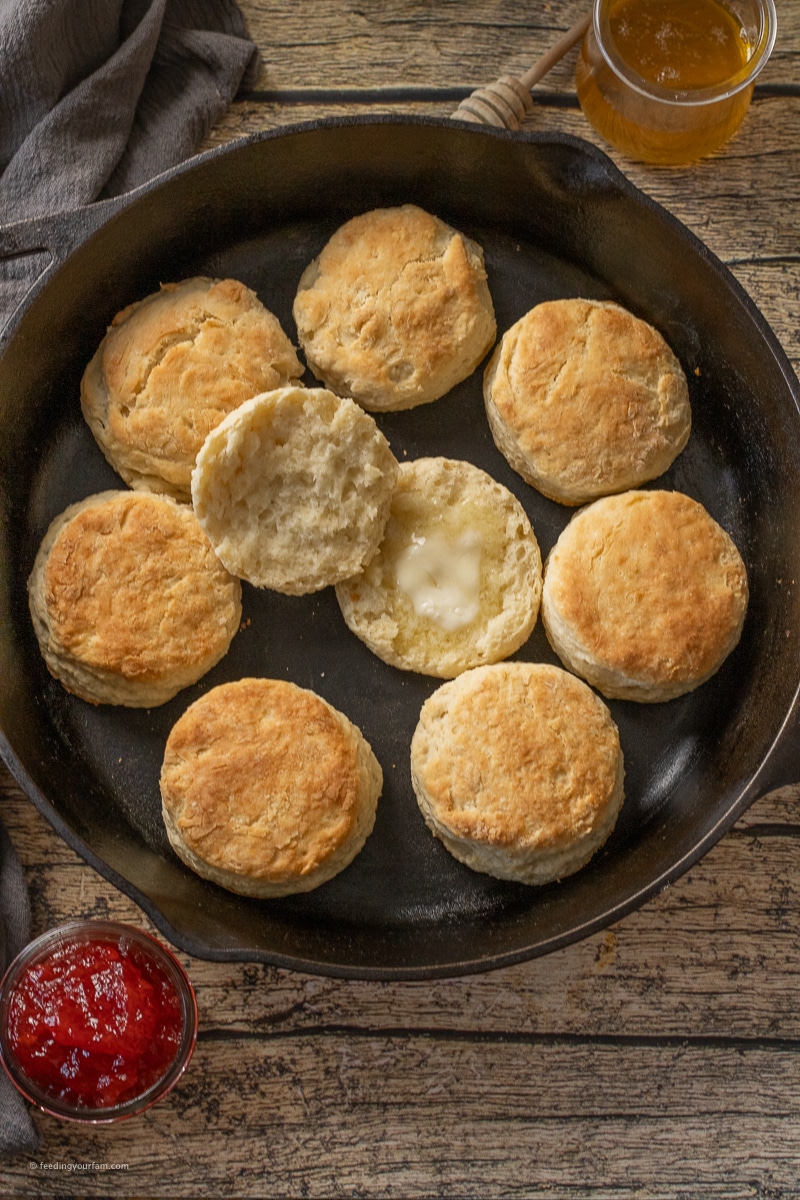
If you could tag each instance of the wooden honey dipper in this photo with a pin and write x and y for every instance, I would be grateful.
(507, 102)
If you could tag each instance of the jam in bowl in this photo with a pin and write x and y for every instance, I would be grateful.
(98, 1021)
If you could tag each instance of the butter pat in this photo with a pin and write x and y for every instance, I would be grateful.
(442, 576)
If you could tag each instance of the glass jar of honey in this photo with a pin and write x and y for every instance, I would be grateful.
(669, 81)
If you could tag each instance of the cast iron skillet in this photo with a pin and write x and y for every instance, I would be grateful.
(555, 218)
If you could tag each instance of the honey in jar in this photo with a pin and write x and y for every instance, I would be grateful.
(669, 81)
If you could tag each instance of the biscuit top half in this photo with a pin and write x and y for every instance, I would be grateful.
(263, 778)
(543, 770)
(396, 309)
(131, 585)
(171, 367)
(648, 584)
(586, 399)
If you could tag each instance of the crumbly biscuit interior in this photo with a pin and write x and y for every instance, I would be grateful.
(294, 488)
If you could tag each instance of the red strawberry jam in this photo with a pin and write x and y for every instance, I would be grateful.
(95, 1023)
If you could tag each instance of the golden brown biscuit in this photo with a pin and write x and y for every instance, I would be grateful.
(171, 367)
(395, 310)
(294, 488)
(644, 595)
(518, 770)
(267, 789)
(457, 579)
(584, 399)
(128, 600)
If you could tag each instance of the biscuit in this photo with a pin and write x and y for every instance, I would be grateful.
(293, 489)
(171, 367)
(267, 789)
(584, 399)
(128, 600)
(644, 595)
(457, 579)
(395, 310)
(537, 792)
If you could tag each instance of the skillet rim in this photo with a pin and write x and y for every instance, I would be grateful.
(79, 234)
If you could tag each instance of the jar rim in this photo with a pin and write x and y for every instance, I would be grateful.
(686, 98)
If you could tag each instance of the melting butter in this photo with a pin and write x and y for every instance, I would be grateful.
(442, 576)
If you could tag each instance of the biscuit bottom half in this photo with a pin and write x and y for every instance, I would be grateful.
(457, 579)
(539, 792)
(267, 789)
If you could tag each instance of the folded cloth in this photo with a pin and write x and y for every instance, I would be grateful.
(17, 1131)
(99, 96)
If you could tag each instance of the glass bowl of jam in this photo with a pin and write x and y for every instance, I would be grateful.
(98, 1020)
(669, 81)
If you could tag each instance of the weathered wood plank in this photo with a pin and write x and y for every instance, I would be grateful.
(344, 42)
(716, 953)
(657, 1059)
(411, 1116)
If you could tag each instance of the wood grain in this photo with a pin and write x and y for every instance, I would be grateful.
(678, 1026)
(657, 1059)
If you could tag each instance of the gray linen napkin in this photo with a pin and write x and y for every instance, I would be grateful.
(99, 96)
(17, 1132)
(96, 98)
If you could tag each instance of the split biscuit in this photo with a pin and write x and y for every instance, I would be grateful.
(128, 600)
(396, 310)
(171, 367)
(518, 770)
(267, 789)
(457, 579)
(293, 489)
(644, 595)
(584, 399)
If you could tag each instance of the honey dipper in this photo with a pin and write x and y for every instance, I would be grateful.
(506, 102)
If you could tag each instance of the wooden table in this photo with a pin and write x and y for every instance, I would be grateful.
(660, 1058)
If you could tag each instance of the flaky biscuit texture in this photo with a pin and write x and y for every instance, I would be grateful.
(645, 595)
(267, 789)
(518, 770)
(456, 581)
(584, 399)
(294, 488)
(128, 600)
(395, 310)
(170, 367)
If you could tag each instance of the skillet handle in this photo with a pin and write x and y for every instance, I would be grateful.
(56, 233)
(45, 242)
(782, 768)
